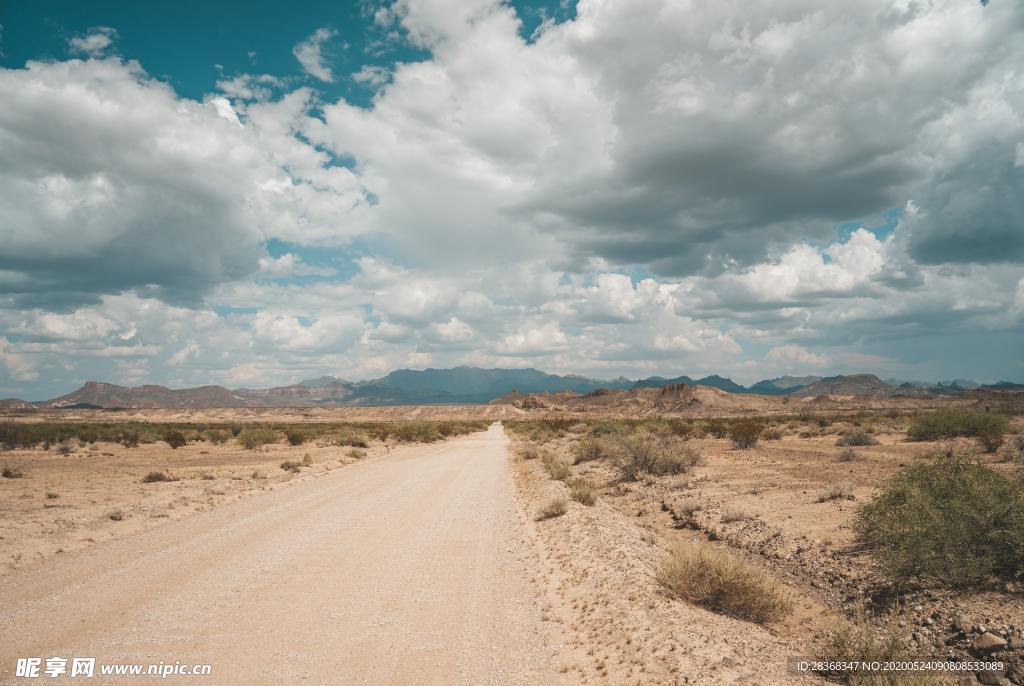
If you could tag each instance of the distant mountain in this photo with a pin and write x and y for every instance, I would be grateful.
(466, 385)
(99, 394)
(715, 381)
(852, 384)
(473, 384)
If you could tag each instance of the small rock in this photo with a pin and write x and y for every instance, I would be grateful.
(991, 677)
(928, 621)
(988, 643)
(961, 623)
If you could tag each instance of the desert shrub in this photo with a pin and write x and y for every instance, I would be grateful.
(856, 641)
(350, 440)
(718, 428)
(556, 467)
(252, 437)
(295, 436)
(9, 472)
(217, 436)
(257, 475)
(583, 491)
(115, 515)
(722, 583)
(590, 448)
(291, 465)
(130, 439)
(837, 492)
(987, 427)
(355, 453)
(529, 452)
(745, 432)
(154, 477)
(416, 432)
(771, 434)
(175, 438)
(731, 514)
(88, 435)
(642, 453)
(856, 437)
(951, 519)
(556, 508)
(65, 447)
(52, 495)
(848, 455)
(236, 429)
(307, 460)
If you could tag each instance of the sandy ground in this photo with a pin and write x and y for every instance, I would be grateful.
(412, 568)
(63, 503)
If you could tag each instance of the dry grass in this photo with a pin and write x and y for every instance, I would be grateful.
(583, 491)
(856, 640)
(557, 468)
(291, 465)
(10, 472)
(857, 437)
(115, 515)
(730, 515)
(848, 455)
(722, 583)
(556, 508)
(837, 492)
(156, 477)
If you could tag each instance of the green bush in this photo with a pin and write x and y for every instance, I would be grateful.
(175, 438)
(745, 432)
(987, 427)
(252, 437)
(130, 439)
(856, 437)
(951, 519)
(295, 436)
(216, 436)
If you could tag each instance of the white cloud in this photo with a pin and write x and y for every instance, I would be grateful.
(372, 75)
(309, 53)
(94, 42)
(792, 356)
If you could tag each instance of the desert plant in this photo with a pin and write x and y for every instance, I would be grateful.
(355, 453)
(848, 455)
(745, 432)
(307, 460)
(351, 440)
(731, 514)
(257, 475)
(115, 515)
(556, 467)
(856, 641)
(236, 429)
(717, 428)
(529, 452)
(65, 448)
(130, 439)
(555, 508)
(987, 427)
(295, 436)
(175, 438)
(644, 453)
(291, 465)
(216, 436)
(590, 448)
(251, 437)
(52, 495)
(9, 472)
(837, 492)
(952, 519)
(857, 437)
(771, 434)
(583, 491)
(154, 477)
(722, 583)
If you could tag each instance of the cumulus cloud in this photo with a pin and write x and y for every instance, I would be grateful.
(310, 55)
(94, 42)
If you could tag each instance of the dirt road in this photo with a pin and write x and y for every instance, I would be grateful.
(402, 569)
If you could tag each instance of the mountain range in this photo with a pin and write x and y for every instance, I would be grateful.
(465, 385)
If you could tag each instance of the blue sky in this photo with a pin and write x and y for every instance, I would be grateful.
(252, 194)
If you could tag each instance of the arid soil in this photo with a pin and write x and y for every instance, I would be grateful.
(762, 505)
(409, 567)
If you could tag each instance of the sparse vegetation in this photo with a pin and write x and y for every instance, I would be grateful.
(52, 495)
(848, 455)
(355, 453)
(722, 583)
(115, 515)
(251, 437)
(557, 468)
(217, 436)
(951, 520)
(857, 641)
(583, 491)
(590, 448)
(295, 436)
(989, 428)
(643, 453)
(731, 514)
(291, 465)
(9, 472)
(175, 438)
(857, 437)
(130, 438)
(838, 492)
(154, 477)
(555, 508)
(744, 433)
(307, 460)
